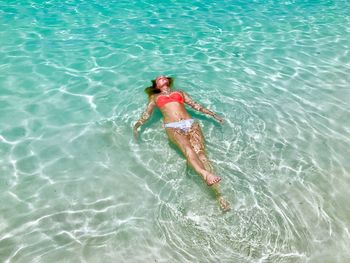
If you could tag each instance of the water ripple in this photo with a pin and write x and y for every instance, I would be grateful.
(72, 76)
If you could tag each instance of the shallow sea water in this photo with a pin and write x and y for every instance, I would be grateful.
(76, 187)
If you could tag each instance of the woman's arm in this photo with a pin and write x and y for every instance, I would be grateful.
(198, 107)
(144, 116)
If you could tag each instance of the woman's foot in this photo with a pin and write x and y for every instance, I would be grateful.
(224, 205)
(211, 179)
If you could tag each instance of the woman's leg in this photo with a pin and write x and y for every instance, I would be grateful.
(198, 145)
(182, 141)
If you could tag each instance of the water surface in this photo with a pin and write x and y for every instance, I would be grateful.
(76, 187)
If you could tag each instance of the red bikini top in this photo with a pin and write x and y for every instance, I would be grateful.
(164, 99)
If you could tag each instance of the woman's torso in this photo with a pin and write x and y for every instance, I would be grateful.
(172, 106)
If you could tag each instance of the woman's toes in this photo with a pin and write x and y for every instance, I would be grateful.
(212, 179)
(216, 179)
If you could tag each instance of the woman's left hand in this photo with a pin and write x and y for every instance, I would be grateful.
(219, 119)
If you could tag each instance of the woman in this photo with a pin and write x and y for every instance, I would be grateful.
(181, 129)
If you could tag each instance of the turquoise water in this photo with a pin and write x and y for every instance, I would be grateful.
(76, 187)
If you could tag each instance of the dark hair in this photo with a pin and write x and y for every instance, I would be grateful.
(151, 90)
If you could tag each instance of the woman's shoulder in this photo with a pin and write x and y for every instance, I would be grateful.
(153, 97)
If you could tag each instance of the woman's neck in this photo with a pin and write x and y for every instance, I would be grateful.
(165, 89)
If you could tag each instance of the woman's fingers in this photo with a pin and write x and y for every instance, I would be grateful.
(219, 119)
(136, 135)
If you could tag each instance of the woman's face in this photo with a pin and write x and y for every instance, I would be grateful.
(162, 81)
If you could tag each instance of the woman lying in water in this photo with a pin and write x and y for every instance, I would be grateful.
(181, 129)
